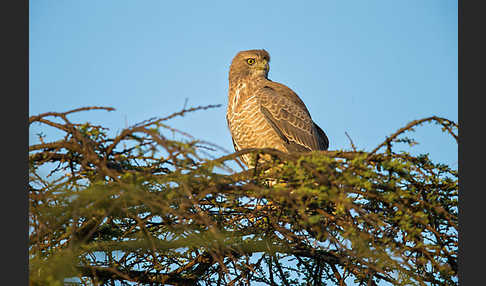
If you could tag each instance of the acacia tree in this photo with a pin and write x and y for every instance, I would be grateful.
(141, 209)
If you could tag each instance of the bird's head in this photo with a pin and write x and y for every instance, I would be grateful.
(251, 63)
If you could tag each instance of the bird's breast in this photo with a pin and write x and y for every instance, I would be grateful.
(238, 95)
(248, 125)
(243, 104)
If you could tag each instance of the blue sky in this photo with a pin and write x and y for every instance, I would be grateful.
(362, 67)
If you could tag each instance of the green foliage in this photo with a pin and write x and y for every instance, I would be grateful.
(139, 207)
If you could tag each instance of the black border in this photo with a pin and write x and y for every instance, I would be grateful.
(471, 144)
(14, 21)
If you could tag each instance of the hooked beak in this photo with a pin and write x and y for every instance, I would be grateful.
(263, 66)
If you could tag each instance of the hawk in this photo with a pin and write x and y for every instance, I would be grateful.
(266, 114)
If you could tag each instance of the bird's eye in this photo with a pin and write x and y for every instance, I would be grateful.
(250, 61)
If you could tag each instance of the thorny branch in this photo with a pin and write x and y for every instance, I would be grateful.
(138, 207)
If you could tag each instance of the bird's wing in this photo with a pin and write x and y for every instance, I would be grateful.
(322, 139)
(289, 117)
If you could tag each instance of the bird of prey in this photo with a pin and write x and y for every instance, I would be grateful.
(266, 114)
